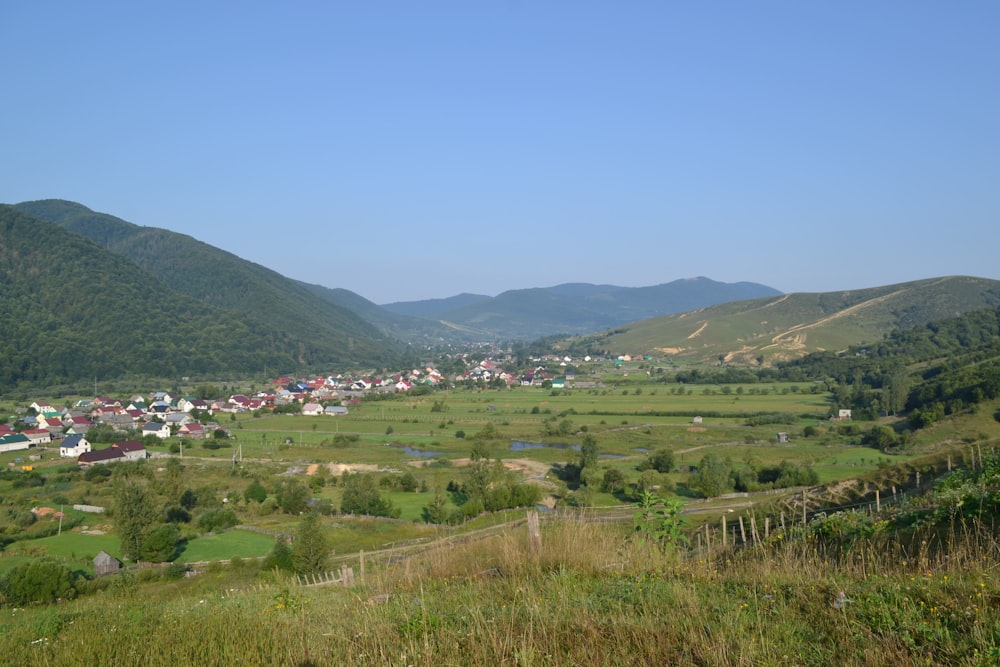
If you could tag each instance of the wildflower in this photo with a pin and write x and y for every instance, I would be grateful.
(842, 600)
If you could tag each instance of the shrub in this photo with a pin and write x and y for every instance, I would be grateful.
(42, 580)
(217, 519)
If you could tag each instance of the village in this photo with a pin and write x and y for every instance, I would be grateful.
(160, 415)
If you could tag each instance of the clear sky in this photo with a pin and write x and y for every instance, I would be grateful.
(409, 150)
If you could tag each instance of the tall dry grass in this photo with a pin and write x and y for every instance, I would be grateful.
(589, 596)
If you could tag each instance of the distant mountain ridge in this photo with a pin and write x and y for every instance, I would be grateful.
(764, 331)
(576, 308)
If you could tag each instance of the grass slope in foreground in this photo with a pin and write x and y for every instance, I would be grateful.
(589, 597)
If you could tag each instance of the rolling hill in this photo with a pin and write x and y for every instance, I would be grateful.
(768, 330)
(326, 332)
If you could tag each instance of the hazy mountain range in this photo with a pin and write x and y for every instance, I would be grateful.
(112, 297)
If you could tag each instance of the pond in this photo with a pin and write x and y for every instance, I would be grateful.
(519, 446)
(420, 453)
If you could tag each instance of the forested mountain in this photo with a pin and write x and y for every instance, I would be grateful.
(767, 331)
(72, 310)
(575, 308)
(327, 332)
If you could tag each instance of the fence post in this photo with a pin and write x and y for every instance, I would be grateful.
(723, 531)
(534, 532)
(878, 502)
(743, 532)
(767, 527)
(803, 508)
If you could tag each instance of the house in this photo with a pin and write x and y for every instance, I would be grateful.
(105, 563)
(128, 450)
(73, 446)
(335, 410)
(190, 403)
(132, 450)
(99, 456)
(177, 418)
(53, 425)
(79, 425)
(41, 407)
(121, 422)
(161, 431)
(193, 430)
(312, 409)
(14, 442)
(843, 415)
(37, 436)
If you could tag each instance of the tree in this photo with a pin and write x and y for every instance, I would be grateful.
(436, 510)
(662, 460)
(292, 496)
(408, 482)
(280, 557)
(311, 550)
(589, 452)
(896, 389)
(613, 480)
(714, 475)
(160, 545)
(361, 496)
(135, 516)
(255, 492)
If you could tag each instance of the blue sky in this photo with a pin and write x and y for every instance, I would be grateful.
(409, 150)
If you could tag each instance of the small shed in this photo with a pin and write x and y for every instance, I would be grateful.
(105, 563)
(783, 437)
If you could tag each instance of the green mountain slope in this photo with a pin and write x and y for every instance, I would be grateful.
(327, 332)
(793, 325)
(70, 310)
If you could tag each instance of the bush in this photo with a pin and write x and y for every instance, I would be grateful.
(42, 580)
(217, 519)
(161, 545)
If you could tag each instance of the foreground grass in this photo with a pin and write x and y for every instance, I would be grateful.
(588, 597)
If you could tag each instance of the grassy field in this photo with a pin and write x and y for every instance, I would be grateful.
(628, 419)
(233, 543)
